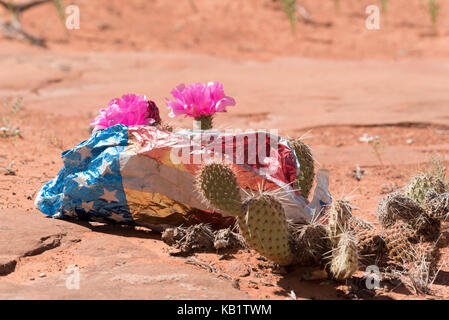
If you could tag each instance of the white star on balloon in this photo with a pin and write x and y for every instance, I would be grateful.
(81, 179)
(104, 167)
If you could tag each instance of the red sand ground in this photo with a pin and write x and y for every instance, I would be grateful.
(333, 80)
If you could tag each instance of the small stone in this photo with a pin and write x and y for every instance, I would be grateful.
(42, 275)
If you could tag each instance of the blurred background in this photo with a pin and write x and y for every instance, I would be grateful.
(255, 29)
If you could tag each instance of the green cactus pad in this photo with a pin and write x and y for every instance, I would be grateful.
(217, 183)
(420, 185)
(304, 181)
(265, 228)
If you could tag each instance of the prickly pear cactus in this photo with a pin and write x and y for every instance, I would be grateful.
(261, 218)
(340, 215)
(437, 206)
(344, 258)
(264, 227)
(397, 206)
(217, 184)
(304, 181)
(419, 186)
(397, 242)
(358, 225)
(311, 244)
(430, 255)
(369, 242)
(427, 228)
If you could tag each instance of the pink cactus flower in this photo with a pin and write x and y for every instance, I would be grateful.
(199, 100)
(130, 109)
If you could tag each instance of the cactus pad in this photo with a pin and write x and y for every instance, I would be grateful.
(437, 206)
(304, 181)
(397, 242)
(264, 227)
(369, 242)
(344, 258)
(340, 215)
(427, 228)
(217, 183)
(419, 186)
(311, 242)
(396, 206)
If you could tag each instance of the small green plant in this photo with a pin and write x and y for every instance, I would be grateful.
(8, 122)
(438, 169)
(384, 5)
(290, 9)
(378, 148)
(434, 9)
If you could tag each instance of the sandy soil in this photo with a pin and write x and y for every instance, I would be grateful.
(390, 83)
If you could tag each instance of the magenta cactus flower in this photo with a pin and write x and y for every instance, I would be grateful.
(199, 100)
(130, 109)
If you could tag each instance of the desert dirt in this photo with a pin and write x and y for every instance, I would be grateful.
(331, 80)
